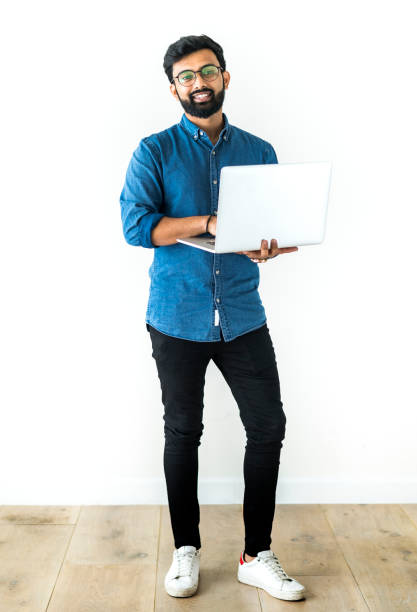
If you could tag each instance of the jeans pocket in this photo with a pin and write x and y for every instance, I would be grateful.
(163, 346)
(261, 351)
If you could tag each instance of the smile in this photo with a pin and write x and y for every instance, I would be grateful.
(202, 97)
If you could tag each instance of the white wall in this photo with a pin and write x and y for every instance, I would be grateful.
(81, 402)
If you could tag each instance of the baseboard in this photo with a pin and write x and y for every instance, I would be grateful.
(129, 490)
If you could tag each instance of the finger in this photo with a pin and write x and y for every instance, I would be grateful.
(264, 249)
(274, 247)
(288, 249)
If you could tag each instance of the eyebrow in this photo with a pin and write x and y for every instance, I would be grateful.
(208, 64)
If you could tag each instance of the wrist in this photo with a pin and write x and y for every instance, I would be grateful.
(207, 223)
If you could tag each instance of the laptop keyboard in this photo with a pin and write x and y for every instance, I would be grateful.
(210, 241)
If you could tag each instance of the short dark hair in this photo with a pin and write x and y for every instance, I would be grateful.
(189, 44)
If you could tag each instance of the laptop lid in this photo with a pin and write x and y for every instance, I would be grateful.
(286, 201)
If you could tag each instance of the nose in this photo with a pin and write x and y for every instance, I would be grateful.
(199, 83)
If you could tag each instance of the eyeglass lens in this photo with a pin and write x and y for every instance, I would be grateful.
(209, 73)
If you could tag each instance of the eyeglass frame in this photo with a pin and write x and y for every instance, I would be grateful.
(196, 72)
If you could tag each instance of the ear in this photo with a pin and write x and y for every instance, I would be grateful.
(173, 90)
(226, 78)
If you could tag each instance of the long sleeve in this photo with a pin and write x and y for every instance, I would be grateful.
(270, 157)
(142, 196)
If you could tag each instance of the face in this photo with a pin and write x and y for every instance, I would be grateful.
(187, 95)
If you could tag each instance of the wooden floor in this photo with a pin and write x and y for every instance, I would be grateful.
(114, 558)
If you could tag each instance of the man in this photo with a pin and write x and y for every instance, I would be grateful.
(205, 306)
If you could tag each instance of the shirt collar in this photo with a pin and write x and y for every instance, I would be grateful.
(196, 132)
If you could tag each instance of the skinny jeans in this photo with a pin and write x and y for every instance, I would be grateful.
(248, 365)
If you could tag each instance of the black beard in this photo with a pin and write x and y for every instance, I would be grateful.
(204, 109)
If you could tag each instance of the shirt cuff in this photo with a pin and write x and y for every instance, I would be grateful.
(146, 224)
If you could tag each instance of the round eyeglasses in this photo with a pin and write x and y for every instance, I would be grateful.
(209, 72)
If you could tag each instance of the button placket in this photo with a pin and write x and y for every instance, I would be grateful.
(213, 177)
(214, 197)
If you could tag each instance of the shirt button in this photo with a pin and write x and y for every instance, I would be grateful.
(217, 271)
(195, 136)
(217, 299)
(201, 132)
(224, 138)
(215, 182)
(213, 152)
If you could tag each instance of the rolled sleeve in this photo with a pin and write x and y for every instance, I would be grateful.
(142, 196)
(147, 222)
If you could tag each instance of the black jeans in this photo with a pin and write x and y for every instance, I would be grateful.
(249, 367)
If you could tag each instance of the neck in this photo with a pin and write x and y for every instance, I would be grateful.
(212, 125)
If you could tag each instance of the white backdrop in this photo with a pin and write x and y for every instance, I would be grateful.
(81, 418)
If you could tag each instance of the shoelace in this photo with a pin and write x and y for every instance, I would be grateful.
(185, 563)
(274, 566)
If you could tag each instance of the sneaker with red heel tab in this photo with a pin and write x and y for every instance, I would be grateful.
(265, 572)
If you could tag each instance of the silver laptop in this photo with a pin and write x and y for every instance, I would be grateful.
(284, 201)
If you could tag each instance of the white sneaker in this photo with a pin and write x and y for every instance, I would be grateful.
(181, 579)
(265, 572)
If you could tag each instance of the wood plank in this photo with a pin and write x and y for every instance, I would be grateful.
(304, 542)
(39, 515)
(30, 559)
(222, 541)
(307, 549)
(411, 512)
(111, 562)
(103, 588)
(379, 542)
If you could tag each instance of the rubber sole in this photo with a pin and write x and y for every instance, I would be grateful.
(181, 592)
(287, 595)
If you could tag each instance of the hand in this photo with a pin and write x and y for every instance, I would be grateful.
(212, 226)
(264, 253)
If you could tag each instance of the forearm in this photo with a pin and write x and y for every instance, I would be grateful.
(169, 229)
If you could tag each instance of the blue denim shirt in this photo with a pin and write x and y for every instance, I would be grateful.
(176, 173)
